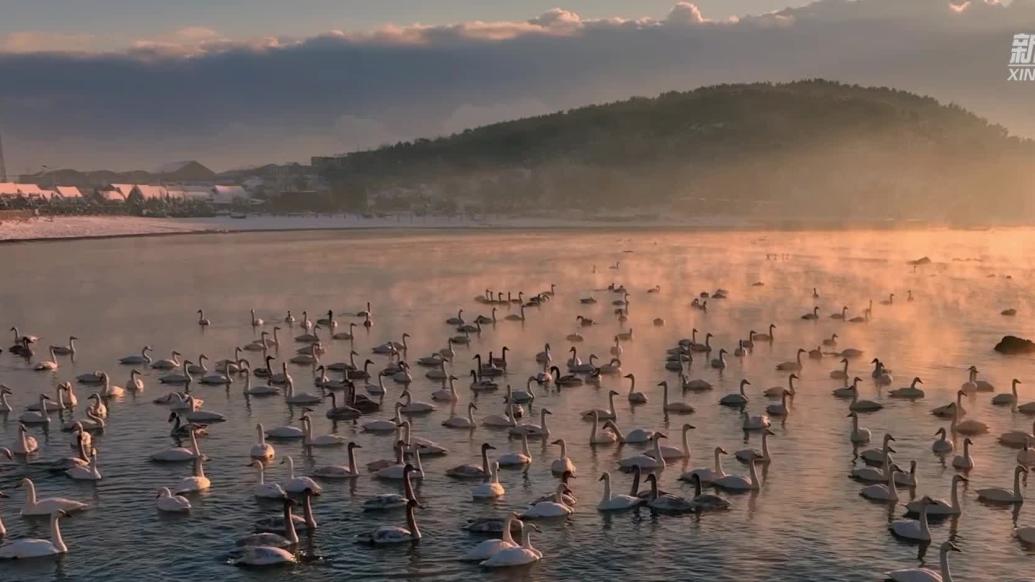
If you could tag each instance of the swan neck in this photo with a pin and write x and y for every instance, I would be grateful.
(55, 534)
(411, 521)
(607, 490)
(289, 525)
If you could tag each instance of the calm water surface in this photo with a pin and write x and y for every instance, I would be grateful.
(807, 523)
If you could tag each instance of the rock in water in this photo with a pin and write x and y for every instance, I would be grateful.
(1015, 345)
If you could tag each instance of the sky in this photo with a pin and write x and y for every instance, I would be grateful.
(124, 84)
(110, 24)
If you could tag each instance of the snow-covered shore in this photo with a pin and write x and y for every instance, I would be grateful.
(62, 227)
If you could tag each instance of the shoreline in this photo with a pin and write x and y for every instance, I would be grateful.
(73, 228)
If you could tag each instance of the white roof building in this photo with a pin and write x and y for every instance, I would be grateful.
(69, 192)
(226, 195)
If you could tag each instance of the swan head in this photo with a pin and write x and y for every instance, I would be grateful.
(687, 427)
(605, 476)
(745, 382)
(488, 447)
(721, 451)
(802, 351)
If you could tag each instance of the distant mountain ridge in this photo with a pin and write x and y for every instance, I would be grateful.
(806, 148)
(188, 171)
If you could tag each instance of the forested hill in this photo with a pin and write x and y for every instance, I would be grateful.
(809, 148)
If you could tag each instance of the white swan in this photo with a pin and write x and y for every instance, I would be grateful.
(967, 427)
(532, 430)
(26, 548)
(144, 357)
(563, 463)
(964, 461)
(324, 440)
(777, 391)
(705, 474)
(738, 482)
(292, 397)
(749, 423)
(491, 488)
(676, 453)
(298, 485)
(634, 436)
(600, 437)
(677, 407)
(197, 482)
(939, 507)
(1007, 399)
(26, 444)
(489, 548)
(261, 450)
(1001, 495)
(388, 535)
(264, 490)
(927, 574)
(382, 425)
(781, 408)
(911, 529)
(754, 455)
(613, 502)
(349, 471)
(858, 435)
(604, 414)
(167, 502)
(38, 416)
(46, 506)
(792, 366)
(645, 462)
(516, 556)
(47, 365)
(516, 459)
(88, 472)
(461, 422)
(551, 508)
(911, 392)
(882, 491)
(942, 446)
(736, 399)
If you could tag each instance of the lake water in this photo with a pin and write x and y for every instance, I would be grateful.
(807, 522)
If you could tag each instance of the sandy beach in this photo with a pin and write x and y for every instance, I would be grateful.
(71, 227)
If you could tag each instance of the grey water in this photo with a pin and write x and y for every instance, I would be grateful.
(808, 521)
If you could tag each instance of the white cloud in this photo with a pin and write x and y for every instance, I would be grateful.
(31, 41)
(684, 13)
(236, 99)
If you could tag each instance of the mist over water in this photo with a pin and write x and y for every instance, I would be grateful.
(807, 522)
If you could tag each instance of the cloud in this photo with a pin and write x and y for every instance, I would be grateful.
(684, 13)
(233, 102)
(31, 41)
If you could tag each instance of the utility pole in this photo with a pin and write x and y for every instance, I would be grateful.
(3, 167)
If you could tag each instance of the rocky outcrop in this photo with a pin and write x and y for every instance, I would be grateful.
(1015, 345)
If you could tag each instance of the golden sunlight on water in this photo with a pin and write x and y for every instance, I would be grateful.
(807, 521)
